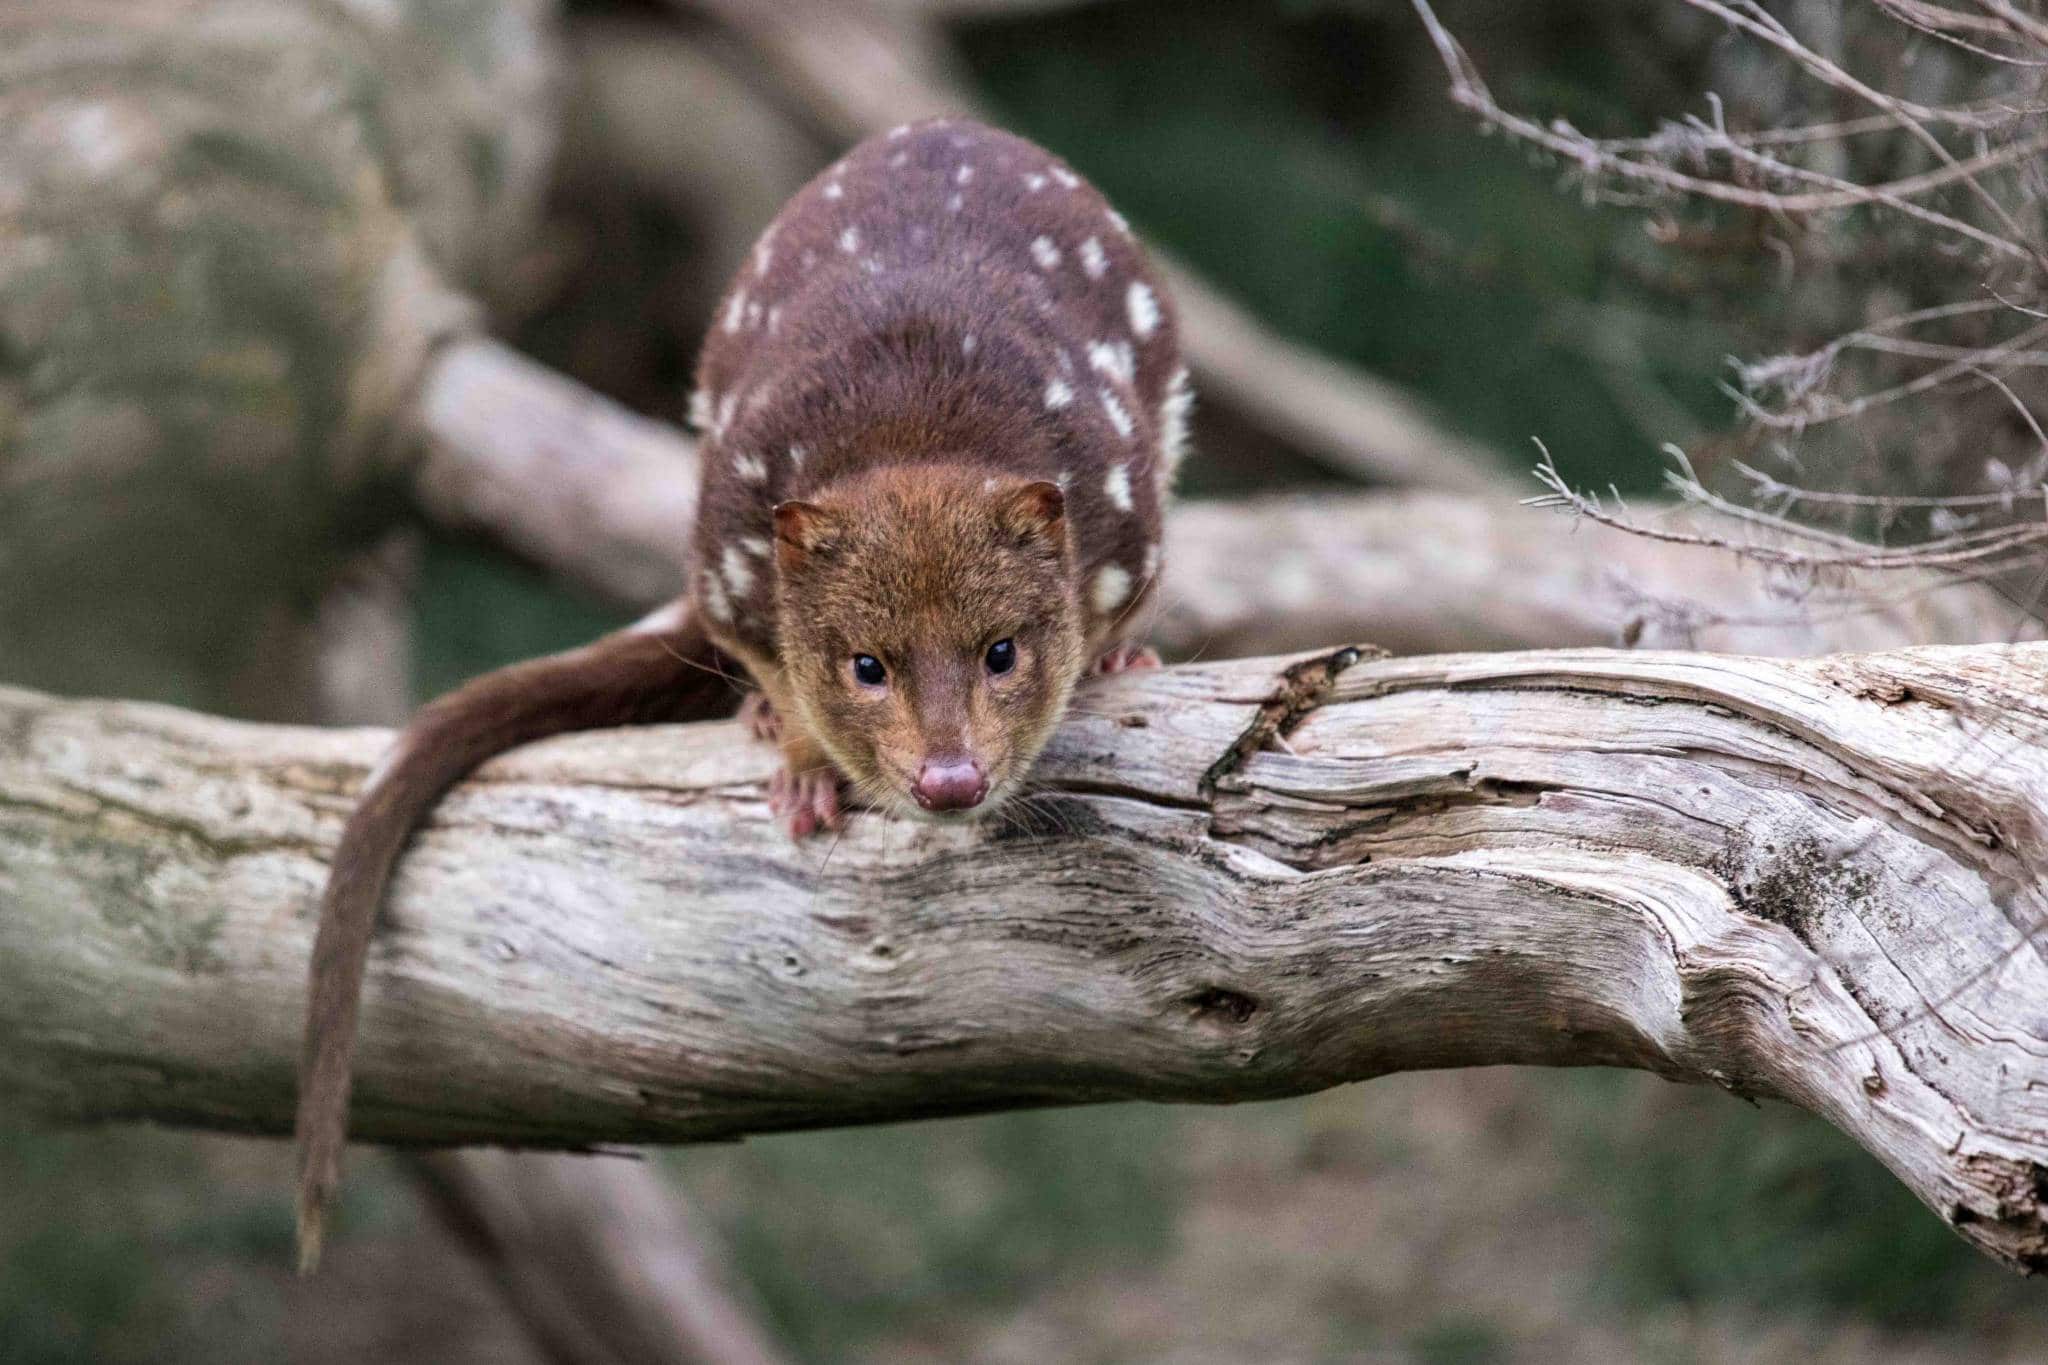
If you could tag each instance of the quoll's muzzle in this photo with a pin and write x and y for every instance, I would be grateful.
(950, 782)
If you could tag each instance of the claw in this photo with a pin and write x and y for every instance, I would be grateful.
(806, 801)
(1125, 657)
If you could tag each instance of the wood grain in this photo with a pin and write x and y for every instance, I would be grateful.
(1819, 879)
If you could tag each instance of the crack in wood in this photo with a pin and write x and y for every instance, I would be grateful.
(1302, 687)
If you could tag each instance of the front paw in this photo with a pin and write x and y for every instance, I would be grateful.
(1125, 658)
(806, 800)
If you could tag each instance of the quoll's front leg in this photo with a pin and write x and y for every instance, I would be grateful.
(1125, 657)
(804, 794)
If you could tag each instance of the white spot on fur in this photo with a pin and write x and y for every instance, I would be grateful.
(872, 264)
(967, 344)
(661, 619)
(754, 545)
(1118, 416)
(1112, 588)
(1044, 253)
(1143, 308)
(963, 175)
(775, 318)
(1151, 561)
(764, 251)
(1033, 183)
(753, 315)
(834, 190)
(954, 203)
(1058, 393)
(849, 240)
(1066, 360)
(739, 575)
(726, 407)
(752, 468)
(700, 411)
(1118, 486)
(1118, 221)
(796, 456)
(1094, 259)
(1174, 410)
(898, 161)
(1065, 480)
(898, 131)
(1066, 177)
(715, 600)
(736, 311)
(991, 484)
(1113, 359)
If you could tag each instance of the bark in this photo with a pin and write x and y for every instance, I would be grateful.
(600, 495)
(228, 239)
(607, 499)
(655, 112)
(601, 1259)
(1820, 880)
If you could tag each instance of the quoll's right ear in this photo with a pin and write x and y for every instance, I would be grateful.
(802, 528)
(1033, 511)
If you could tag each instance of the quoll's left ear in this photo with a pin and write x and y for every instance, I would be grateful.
(803, 528)
(1033, 511)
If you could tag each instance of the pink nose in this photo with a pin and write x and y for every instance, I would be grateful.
(950, 783)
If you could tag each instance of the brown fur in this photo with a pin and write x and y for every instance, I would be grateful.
(940, 319)
(940, 408)
(982, 566)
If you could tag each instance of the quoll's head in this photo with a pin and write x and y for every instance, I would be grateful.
(929, 631)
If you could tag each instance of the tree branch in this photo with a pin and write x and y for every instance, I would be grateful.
(606, 498)
(1820, 880)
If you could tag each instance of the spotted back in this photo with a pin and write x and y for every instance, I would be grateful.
(946, 292)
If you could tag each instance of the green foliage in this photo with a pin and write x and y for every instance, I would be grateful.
(1713, 1201)
(851, 1234)
(77, 1282)
(479, 609)
(1458, 1341)
(1304, 156)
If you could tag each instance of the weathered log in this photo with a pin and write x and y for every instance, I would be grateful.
(1820, 879)
(607, 498)
(229, 236)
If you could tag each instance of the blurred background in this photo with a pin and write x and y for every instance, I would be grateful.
(1304, 157)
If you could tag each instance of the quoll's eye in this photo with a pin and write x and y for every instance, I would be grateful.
(868, 670)
(1001, 656)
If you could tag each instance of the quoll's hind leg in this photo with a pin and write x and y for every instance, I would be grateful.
(1124, 657)
(761, 718)
(804, 793)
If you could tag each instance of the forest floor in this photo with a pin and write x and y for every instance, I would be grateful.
(1440, 1219)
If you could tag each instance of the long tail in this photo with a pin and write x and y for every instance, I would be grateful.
(663, 669)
